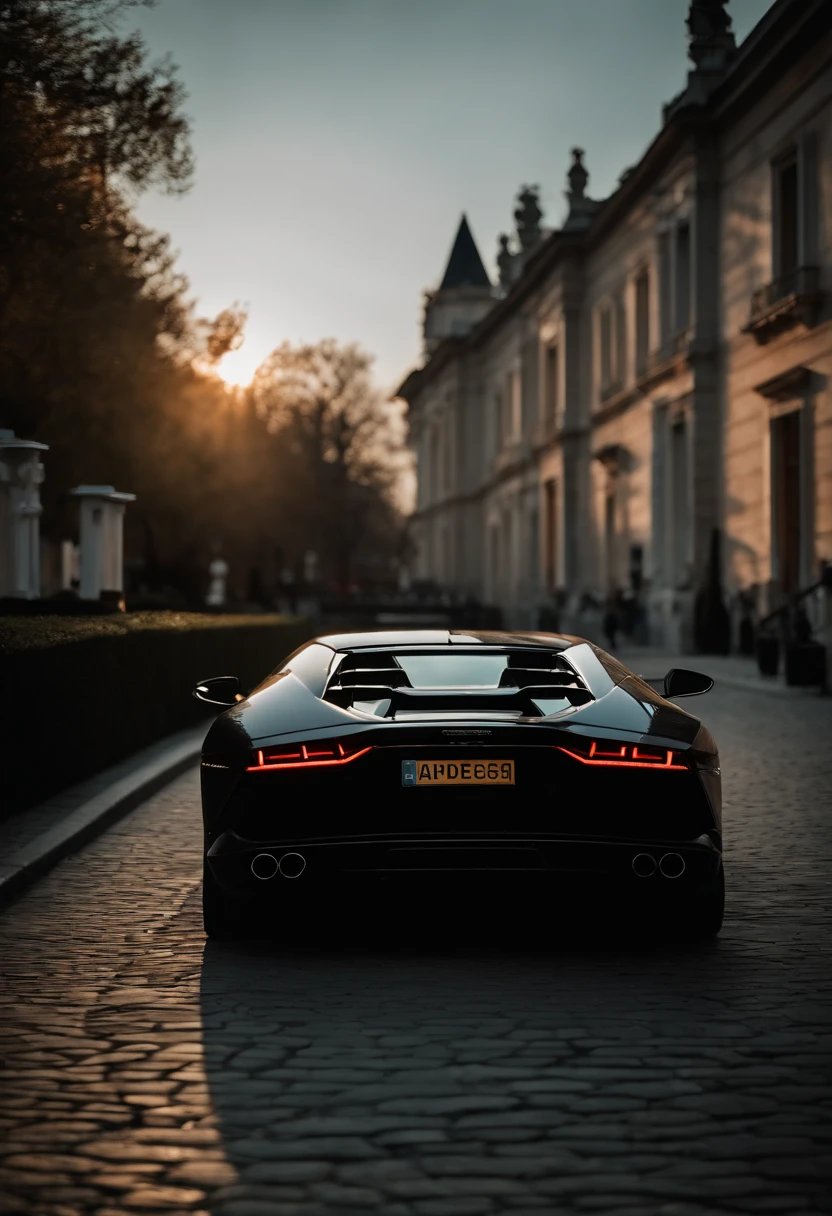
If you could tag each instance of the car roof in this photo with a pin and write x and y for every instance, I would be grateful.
(444, 637)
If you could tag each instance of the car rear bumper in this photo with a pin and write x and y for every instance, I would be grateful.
(645, 869)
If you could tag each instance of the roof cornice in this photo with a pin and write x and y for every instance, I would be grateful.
(788, 30)
(781, 35)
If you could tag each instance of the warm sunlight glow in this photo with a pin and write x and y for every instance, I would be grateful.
(239, 366)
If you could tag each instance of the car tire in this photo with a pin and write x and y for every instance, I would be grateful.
(222, 916)
(704, 919)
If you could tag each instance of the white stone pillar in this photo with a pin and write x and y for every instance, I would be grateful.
(21, 474)
(102, 544)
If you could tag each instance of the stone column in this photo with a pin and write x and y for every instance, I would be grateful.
(102, 547)
(707, 454)
(21, 474)
(579, 554)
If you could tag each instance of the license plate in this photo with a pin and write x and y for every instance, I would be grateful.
(457, 772)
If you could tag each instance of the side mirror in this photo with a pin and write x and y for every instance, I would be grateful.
(219, 690)
(679, 682)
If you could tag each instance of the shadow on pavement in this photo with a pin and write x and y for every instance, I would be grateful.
(369, 1068)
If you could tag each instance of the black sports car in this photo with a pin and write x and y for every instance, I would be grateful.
(372, 760)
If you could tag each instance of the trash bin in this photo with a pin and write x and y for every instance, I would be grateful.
(768, 655)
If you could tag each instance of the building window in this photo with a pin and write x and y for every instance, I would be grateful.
(507, 554)
(612, 341)
(499, 419)
(675, 265)
(515, 390)
(642, 321)
(665, 296)
(605, 341)
(494, 559)
(551, 387)
(509, 407)
(619, 372)
(433, 477)
(446, 455)
(683, 267)
(793, 294)
(550, 507)
(534, 546)
(786, 217)
(786, 479)
(680, 504)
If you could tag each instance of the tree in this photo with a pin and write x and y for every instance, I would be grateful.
(94, 324)
(341, 439)
(81, 116)
(101, 355)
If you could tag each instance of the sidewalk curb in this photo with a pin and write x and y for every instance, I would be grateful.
(764, 685)
(89, 820)
(768, 685)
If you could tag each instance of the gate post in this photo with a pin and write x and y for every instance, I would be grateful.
(21, 474)
(102, 544)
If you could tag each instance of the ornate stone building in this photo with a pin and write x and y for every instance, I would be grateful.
(644, 403)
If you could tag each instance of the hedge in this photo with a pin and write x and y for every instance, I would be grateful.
(78, 694)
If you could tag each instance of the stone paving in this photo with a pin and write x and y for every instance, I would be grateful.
(446, 1075)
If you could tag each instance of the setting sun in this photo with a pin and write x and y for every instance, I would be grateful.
(238, 366)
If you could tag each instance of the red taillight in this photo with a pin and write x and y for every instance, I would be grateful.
(323, 753)
(624, 755)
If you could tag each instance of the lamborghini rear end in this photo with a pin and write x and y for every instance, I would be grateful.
(466, 788)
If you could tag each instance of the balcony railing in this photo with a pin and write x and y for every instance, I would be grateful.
(785, 301)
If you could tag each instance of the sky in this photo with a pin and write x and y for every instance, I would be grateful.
(338, 142)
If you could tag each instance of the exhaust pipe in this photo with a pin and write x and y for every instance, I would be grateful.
(672, 865)
(264, 866)
(291, 865)
(644, 865)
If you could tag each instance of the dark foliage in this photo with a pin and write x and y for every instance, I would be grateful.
(115, 685)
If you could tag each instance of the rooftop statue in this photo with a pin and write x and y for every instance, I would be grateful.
(528, 216)
(711, 37)
(578, 176)
(505, 258)
(581, 207)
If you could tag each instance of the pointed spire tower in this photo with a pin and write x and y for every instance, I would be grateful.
(464, 296)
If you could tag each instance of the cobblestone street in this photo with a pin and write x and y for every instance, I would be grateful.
(146, 1072)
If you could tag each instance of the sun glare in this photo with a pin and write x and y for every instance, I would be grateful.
(238, 367)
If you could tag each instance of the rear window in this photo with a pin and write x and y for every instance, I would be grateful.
(453, 670)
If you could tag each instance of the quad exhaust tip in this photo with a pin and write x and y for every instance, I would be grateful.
(291, 865)
(265, 865)
(672, 865)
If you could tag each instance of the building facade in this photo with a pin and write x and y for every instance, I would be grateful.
(642, 407)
